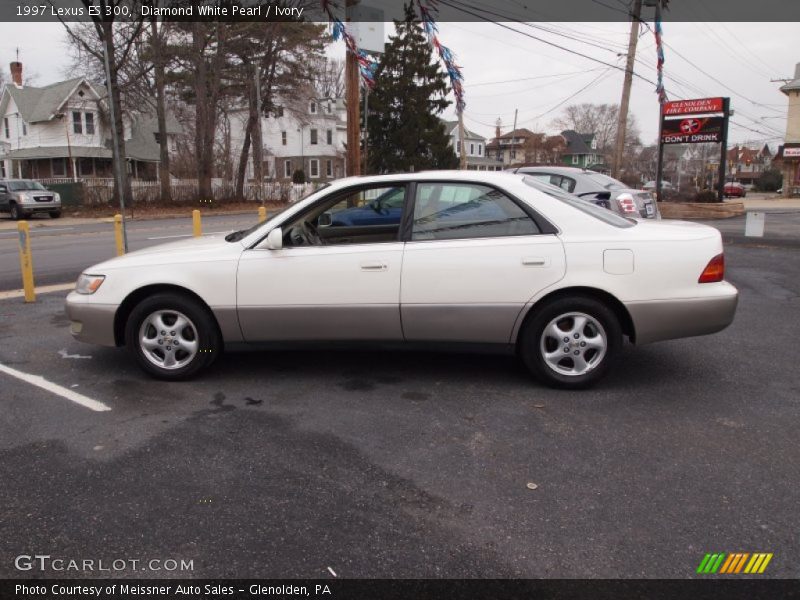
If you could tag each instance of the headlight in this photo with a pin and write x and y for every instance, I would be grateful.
(88, 284)
(57, 197)
(23, 197)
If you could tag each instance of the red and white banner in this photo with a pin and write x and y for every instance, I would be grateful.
(698, 106)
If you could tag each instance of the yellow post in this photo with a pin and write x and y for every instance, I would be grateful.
(118, 235)
(26, 261)
(262, 214)
(197, 226)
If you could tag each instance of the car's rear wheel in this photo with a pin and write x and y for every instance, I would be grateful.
(570, 342)
(55, 214)
(172, 336)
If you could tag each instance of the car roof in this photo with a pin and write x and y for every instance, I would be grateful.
(455, 175)
(556, 169)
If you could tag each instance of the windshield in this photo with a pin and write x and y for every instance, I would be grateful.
(24, 184)
(591, 209)
(243, 233)
(606, 182)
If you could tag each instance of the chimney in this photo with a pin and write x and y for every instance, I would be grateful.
(16, 73)
(797, 71)
(497, 127)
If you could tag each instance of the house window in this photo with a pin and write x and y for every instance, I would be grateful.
(5, 127)
(2, 169)
(89, 123)
(472, 149)
(329, 137)
(575, 159)
(287, 168)
(77, 125)
(85, 167)
(58, 167)
(480, 149)
(313, 167)
(594, 144)
(313, 108)
(329, 168)
(283, 138)
(314, 137)
(24, 128)
(279, 111)
(328, 108)
(513, 154)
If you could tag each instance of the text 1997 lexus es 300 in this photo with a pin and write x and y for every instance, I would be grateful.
(436, 257)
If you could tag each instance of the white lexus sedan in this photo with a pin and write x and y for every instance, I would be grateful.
(444, 257)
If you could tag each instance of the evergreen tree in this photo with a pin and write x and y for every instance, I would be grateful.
(405, 132)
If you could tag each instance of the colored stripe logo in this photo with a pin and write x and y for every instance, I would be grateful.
(733, 563)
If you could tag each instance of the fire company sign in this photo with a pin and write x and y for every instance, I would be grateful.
(699, 106)
(692, 130)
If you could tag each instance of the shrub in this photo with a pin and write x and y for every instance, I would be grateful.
(706, 196)
(299, 176)
(770, 181)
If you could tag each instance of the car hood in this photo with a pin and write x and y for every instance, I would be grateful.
(205, 248)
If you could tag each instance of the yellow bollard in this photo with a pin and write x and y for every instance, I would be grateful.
(118, 235)
(262, 214)
(26, 261)
(197, 226)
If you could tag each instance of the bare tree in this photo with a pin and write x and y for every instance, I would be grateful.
(328, 77)
(116, 51)
(600, 120)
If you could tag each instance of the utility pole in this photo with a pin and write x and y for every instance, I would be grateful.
(622, 122)
(353, 162)
(462, 164)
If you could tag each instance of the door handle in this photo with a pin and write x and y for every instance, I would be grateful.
(535, 261)
(373, 266)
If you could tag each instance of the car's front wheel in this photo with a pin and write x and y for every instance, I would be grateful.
(570, 342)
(172, 336)
(16, 213)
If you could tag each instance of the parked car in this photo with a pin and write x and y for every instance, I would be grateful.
(665, 186)
(733, 189)
(22, 198)
(494, 259)
(601, 189)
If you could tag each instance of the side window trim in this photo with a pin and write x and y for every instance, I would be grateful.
(406, 228)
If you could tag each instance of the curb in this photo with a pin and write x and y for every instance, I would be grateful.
(773, 242)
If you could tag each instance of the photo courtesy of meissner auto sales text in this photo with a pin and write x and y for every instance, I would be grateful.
(420, 300)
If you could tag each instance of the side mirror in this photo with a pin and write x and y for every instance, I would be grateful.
(275, 239)
(324, 220)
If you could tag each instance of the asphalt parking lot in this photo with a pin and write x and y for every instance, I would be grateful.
(392, 464)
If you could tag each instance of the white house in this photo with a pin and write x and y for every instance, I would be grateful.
(307, 135)
(61, 130)
(475, 149)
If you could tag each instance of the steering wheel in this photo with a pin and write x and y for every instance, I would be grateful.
(310, 233)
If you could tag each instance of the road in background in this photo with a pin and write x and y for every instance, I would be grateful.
(62, 250)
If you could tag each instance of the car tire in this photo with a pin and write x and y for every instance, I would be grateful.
(16, 213)
(55, 214)
(594, 340)
(188, 343)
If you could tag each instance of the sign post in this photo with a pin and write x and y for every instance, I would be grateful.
(698, 121)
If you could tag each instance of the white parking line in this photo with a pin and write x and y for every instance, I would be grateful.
(43, 289)
(54, 388)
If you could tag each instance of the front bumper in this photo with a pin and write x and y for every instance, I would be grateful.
(658, 320)
(34, 207)
(89, 322)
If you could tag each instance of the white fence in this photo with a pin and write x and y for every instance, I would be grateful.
(101, 190)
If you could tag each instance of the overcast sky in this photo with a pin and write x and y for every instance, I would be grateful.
(505, 70)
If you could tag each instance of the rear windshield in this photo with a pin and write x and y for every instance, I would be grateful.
(606, 182)
(598, 212)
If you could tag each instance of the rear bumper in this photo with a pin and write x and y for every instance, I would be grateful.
(91, 323)
(659, 320)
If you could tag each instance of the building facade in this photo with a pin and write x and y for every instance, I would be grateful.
(62, 131)
(788, 156)
(475, 149)
(307, 136)
(581, 150)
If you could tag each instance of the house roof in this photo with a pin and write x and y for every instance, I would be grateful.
(37, 104)
(449, 126)
(142, 144)
(793, 85)
(578, 143)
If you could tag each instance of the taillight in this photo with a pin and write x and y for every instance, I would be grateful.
(714, 271)
(626, 203)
